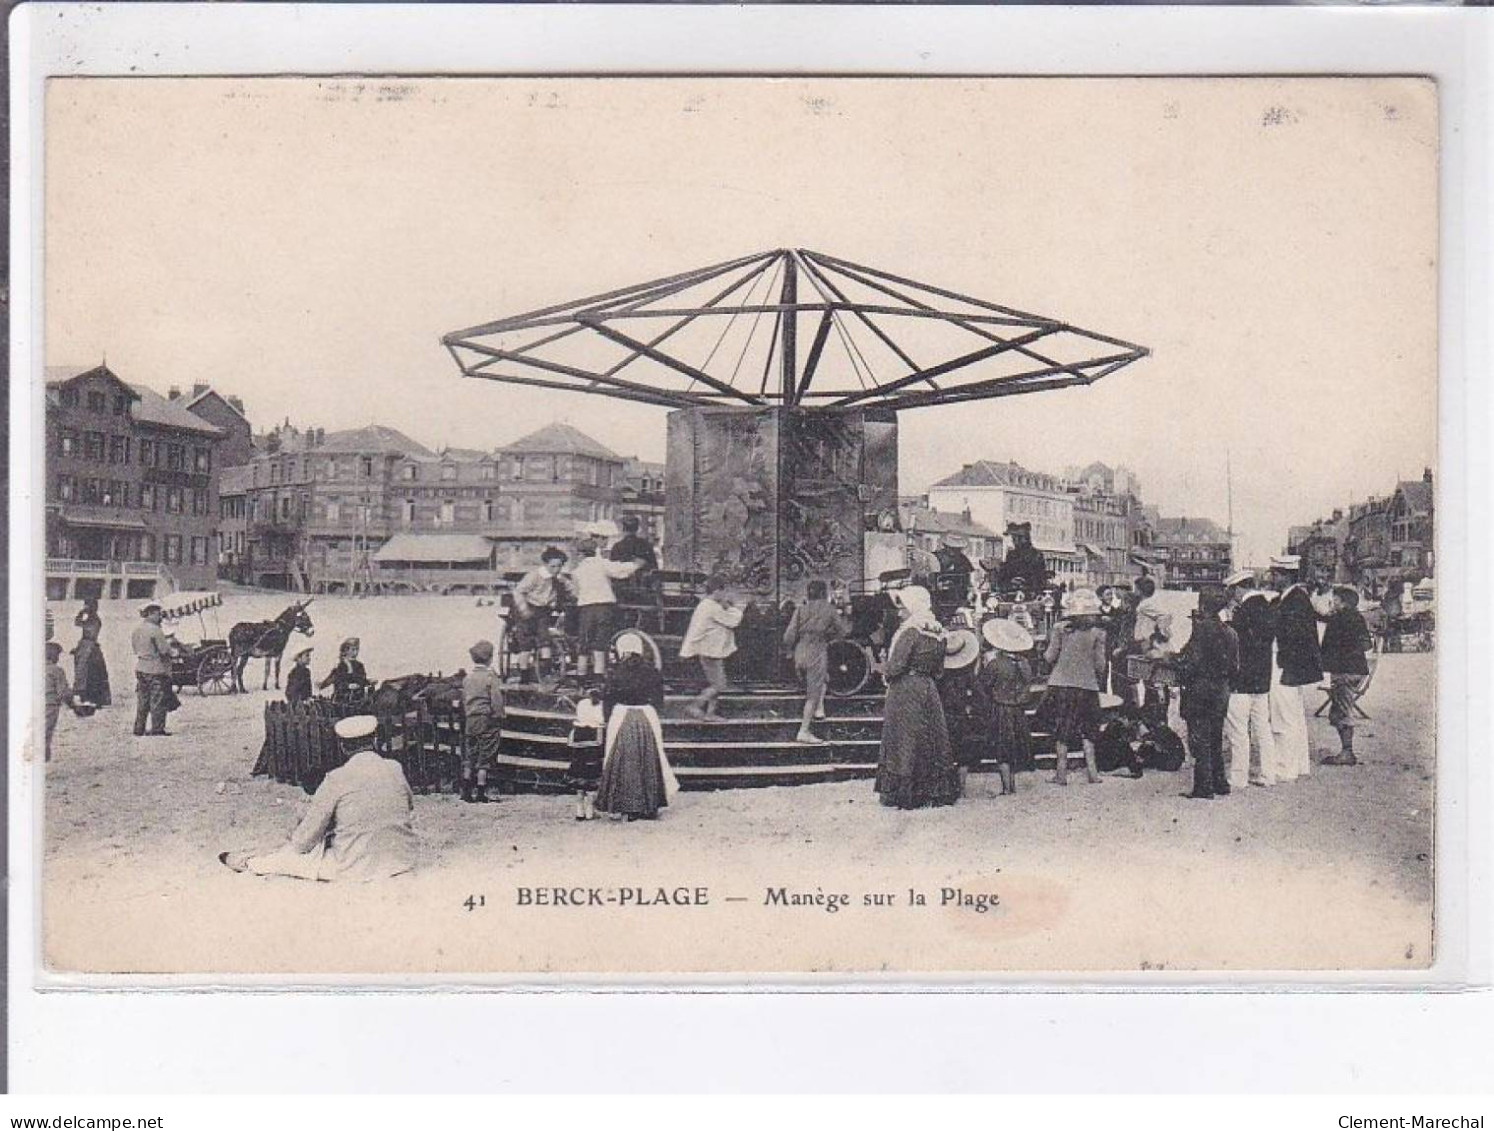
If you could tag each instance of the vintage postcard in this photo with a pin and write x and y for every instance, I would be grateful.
(646, 528)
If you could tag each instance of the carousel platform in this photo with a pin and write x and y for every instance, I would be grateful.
(751, 745)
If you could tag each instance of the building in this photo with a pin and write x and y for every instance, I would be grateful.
(643, 499)
(131, 489)
(1195, 551)
(926, 528)
(225, 413)
(1102, 479)
(1320, 545)
(328, 511)
(998, 494)
(1102, 534)
(1379, 539)
(1413, 545)
(1367, 549)
(233, 523)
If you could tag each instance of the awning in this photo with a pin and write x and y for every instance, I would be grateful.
(1092, 551)
(101, 522)
(436, 548)
(187, 602)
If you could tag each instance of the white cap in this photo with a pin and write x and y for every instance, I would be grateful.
(356, 726)
(1240, 577)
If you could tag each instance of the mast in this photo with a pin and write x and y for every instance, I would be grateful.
(1229, 494)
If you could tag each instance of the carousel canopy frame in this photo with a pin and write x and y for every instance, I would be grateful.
(731, 335)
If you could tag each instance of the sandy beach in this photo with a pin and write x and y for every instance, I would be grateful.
(1331, 872)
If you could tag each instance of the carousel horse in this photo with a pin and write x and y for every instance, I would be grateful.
(266, 640)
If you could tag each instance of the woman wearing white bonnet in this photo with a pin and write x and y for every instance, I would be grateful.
(916, 767)
(637, 780)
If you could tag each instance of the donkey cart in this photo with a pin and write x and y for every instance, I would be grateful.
(206, 664)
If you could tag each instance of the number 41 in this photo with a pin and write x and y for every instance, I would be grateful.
(475, 901)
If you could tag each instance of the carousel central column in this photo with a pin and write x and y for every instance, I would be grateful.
(774, 498)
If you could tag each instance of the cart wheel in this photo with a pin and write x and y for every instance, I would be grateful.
(650, 647)
(215, 672)
(850, 666)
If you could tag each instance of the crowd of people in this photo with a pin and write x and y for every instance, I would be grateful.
(1252, 652)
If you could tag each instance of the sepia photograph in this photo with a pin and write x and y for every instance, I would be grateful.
(838, 529)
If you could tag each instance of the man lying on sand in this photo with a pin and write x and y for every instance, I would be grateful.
(359, 826)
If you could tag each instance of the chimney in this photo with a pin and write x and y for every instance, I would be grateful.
(238, 406)
(174, 393)
(1426, 475)
(198, 389)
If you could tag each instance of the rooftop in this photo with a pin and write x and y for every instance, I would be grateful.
(561, 438)
(147, 406)
(988, 473)
(917, 517)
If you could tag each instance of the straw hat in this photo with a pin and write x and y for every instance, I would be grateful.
(914, 598)
(1240, 577)
(308, 650)
(961, 649)
(954, 541)
(1006, 635)
(629, 644)
(1081, 603)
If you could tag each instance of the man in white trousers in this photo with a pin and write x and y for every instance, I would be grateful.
(1249, 746)
(1300, 665)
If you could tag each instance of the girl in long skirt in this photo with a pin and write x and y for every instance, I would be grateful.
(636, 778)
(916, 767)
(90, 673)
(1007, 678)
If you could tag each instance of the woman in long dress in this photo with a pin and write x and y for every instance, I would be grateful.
(90, 673)
(916, 767)
(636, 778)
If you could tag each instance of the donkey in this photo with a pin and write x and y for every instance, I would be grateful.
(266, 640)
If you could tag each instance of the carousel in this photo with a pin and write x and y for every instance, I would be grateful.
(783, 374)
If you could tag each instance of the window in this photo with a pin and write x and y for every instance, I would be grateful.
(97, 402)
(199, 501)
(334, 511)
(331, 468)
(367, 467)
(409, 472)
(173, 547)
(202, 460)
(534, 509)
(488, 472)
(67, 443)
(91, 491)
(285, 506)
(410, 510)
(448, 513)
(69, 397)
(147, 496)
(93, 446)
(148, 454)
(448, 472)
(148, 547)
(117, 449)
(176, 457)
(487, 510)
(274, 473)
(199, 551)
(518, 467)
(173, 500)
(67, 488)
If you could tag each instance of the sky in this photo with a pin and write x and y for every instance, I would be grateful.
(305, 243)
